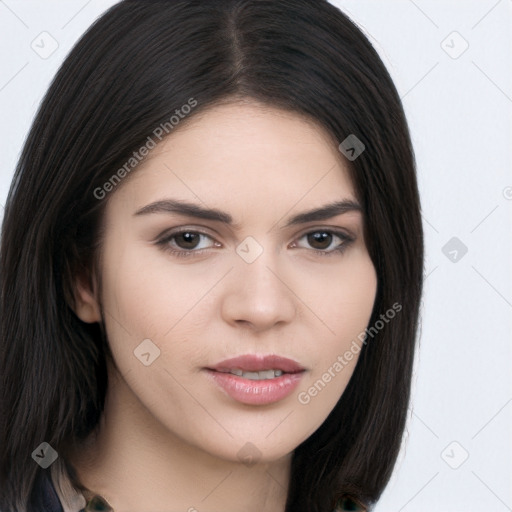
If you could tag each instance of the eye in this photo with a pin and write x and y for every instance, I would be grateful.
(327, 242)
(186, 242)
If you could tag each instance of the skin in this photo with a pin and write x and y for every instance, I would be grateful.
(169, 438)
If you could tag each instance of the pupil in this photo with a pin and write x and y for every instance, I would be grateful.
(321, 237)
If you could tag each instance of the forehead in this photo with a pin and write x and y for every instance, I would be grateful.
(246, 154)
(249, 128)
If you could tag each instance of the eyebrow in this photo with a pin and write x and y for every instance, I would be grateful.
(194, 210)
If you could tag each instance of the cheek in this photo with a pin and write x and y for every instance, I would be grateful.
(344, 304)
(146, 298)
(342, 296)
(356, 296)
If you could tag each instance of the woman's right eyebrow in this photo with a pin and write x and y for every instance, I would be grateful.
(186, 208)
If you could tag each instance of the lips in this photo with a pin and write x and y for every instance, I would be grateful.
(257, 363)
(257, 384)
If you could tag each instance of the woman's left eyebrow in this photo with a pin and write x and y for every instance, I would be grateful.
(325, 212)
(195, 210)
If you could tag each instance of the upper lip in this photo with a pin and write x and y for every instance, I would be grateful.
(256, 363)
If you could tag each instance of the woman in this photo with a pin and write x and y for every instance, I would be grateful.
(211, 267)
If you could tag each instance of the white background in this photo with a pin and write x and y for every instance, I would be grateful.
(460, 111)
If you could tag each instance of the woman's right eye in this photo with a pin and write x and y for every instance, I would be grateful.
(185, 243)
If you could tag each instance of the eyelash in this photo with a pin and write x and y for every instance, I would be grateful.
(184, 253)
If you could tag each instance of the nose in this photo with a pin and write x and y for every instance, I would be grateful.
(258, 295)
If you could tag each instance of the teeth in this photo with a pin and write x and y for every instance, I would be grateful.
(263, 375)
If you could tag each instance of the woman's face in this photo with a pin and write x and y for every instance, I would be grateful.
(185, 289)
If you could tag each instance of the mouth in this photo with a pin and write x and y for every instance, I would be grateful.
(257, 379)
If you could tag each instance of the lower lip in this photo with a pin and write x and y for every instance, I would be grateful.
(256, 392)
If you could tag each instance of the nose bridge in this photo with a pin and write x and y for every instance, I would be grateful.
(258, 294)
(256, 267)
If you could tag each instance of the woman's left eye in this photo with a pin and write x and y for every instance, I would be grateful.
(324, 241)
(187, 242)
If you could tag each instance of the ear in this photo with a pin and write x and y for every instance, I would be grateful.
(87, 306)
